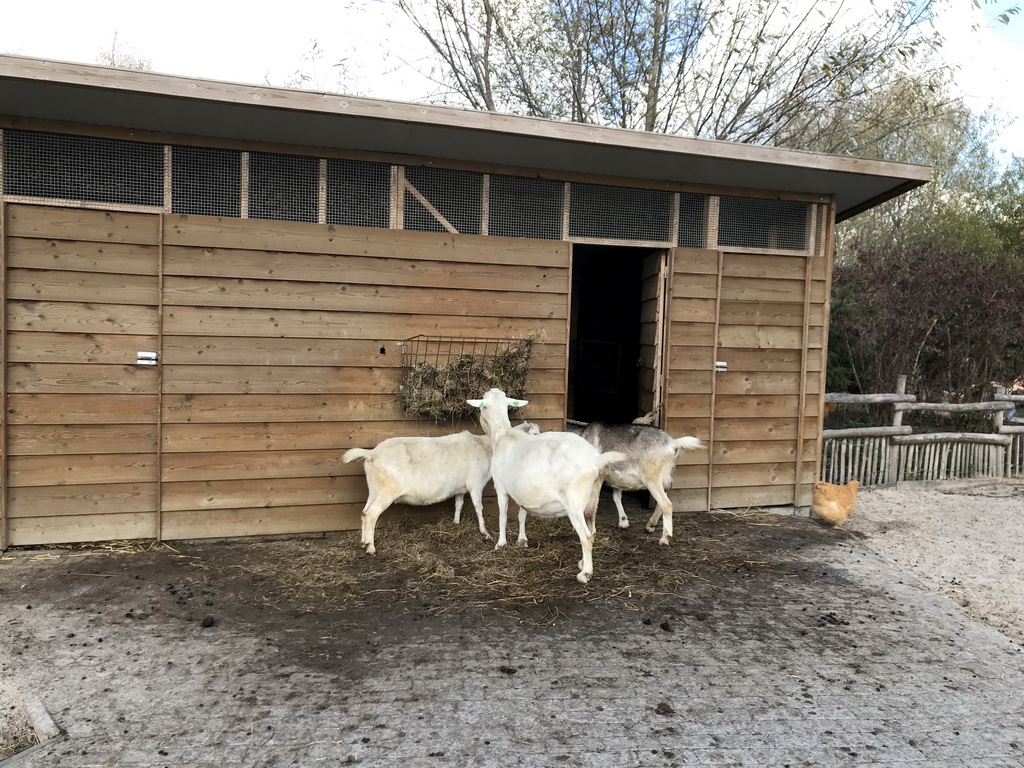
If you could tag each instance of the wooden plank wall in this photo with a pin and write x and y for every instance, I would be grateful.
(280, 346)
(82, 296)
(760, 325)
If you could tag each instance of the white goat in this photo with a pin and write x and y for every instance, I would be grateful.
(652, 455)
(553, 474)
(426, 470)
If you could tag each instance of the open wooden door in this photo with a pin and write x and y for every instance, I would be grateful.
(653, 330)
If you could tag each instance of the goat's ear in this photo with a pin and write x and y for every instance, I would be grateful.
(476, 403)
(518, 403)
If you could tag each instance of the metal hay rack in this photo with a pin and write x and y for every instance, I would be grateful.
(439, 373)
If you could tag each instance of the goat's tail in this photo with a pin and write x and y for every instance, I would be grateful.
(356, 454)
(688, 444)
(610, 457)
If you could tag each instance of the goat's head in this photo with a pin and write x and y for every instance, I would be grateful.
(494, 407)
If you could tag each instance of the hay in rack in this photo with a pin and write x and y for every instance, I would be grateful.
(439, 373)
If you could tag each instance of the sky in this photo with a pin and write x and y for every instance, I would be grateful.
(384, 58)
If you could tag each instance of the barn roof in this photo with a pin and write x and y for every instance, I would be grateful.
(145, 101)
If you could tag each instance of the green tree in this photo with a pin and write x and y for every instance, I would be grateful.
(1007, 206)
(930, 284)
(955, 210)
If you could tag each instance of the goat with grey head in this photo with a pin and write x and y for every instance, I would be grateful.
(652, 455)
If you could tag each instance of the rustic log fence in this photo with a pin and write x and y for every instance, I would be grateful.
(891, 454)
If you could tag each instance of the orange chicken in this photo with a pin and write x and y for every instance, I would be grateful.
(832, 503)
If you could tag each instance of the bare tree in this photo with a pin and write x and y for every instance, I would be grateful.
(314, 73)
(120, 55)
(759, 71)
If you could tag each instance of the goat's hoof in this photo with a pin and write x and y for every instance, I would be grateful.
(371, 550)
(583, 578)
(500, 544)
(665, 540)
(524, 543)
(649, 528)
(623, 523)
(487, 536)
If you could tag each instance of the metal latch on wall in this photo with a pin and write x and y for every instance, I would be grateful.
(146, 358)
(721, 367)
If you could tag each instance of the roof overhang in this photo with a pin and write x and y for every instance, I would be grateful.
(144, 101)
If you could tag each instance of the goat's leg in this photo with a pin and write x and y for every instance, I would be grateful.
(502, 517)
(664, 510)
(653, 522)
(590, 513)
(459, 499)
(617, 498)
(476, 495)
(370, 515)
(586, 565)
(383, 492)
(367, 531)
(521, 541)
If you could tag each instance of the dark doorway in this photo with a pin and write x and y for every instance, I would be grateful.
(604, 374)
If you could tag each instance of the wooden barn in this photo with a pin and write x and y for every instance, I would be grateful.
(209, 292)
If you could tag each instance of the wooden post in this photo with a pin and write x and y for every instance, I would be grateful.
(159, 511)
(824, 251)
(897, 421)
(798, 485)
(998, 416)
(4, 525)
(714, 374)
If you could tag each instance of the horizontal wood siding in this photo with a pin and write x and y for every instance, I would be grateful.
(691, 358)
(757, 402)
(82, 291)
(281, 349)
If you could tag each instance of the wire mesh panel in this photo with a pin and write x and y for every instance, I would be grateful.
(439, 373)
(524, 207)
(86, 168)
(770, 224)
(283, 187)
(358, 193)
(206, 181)
(457, 196)
(620, 213)
(693, 220)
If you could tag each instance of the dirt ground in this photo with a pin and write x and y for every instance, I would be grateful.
(320, 604)
(964, 539)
